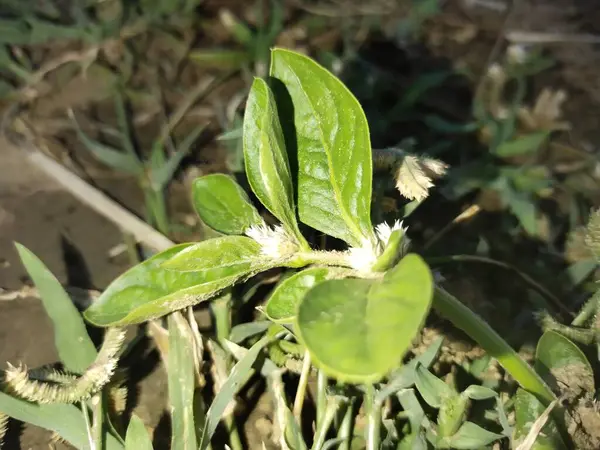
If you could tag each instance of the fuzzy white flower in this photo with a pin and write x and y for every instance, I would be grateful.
(363, 257)
(275, 242)
(384, 231)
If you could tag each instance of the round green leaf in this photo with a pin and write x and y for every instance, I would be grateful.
(223, 204)
(557, 359)
(527, 410)
(358, 330)
(284, 301)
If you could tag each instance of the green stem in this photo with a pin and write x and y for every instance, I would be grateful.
(97, 423)
(345, 431)
(221, 312)
(156, 209)
(321, 396)
(373, 419)
(88, 426)
(475, 327)
(301, 390)
(235, 442)
(323, 426)
(587, 311)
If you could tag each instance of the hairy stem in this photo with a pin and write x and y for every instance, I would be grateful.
(321, 432)
(373, 419)
(301, 390)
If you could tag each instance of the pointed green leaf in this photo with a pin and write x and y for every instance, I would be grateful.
(358, 330)
(475, 392)
(265, 156)
(181, 375)
(527, 410)
(392, 251)
(137, 437)
(238, 374)
(110, 156)
(163, 175)
(226, 255)
(65, 420)
(452, 414)
(283, 303)
(433, 390)
(223, 205)
(148, 291)
(75, 348)
(471, 436)
(557, 359)
(334, 149)
(522, 145)
(220, 58)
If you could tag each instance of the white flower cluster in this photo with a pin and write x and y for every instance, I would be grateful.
(275, 241)
(362, 258)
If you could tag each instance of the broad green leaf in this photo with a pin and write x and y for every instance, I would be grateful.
(110, 156)
(557, 359)
(358, 330)
(137, 437)
(75, 348)
(433, 390)
(65, 420)
(333, 149)
(265, 156)
(181, 379)
(479, 330)
(162, 176)
(238, 374)
(148, 291)
(452, 414)
(241, 332)
(475, 392)
(223, 204)
(283, 303)
(470, 436)
(522, 145)
(227, 255)
(527, 410)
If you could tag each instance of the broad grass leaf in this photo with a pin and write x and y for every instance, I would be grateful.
(65, 420)
(243, 331)
(137, 437)
(265, 156)
(527, 410)
(238, 374)
(75, 348)
(333, 148)
(470, 436)
(283, 302)
(562, 364)
(181, 377)
(149, 290)
(433, 390)
(357, 330)
(220, 58)
(223, 205)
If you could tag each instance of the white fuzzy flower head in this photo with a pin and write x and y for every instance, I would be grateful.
(275, 242)
(363, 257)
(384, 231)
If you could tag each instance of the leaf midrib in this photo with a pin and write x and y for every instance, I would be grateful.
(345, 215)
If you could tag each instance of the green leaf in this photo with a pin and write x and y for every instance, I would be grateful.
(220, 58)
(223, 204)
(238, 374)
(65, 420)
(137, 437)
(163, 175)
(475, 392)
(243, 331)
(265, 157)
(283, 303)
(181, 379)
(226, 255)
(75, 348)
(527, 410)
(391, 252)
(148, 291)
(110, 156)
(470, 436)
(559, 359)
(433, 390)
(358, 330)
(479, 330)
(333, 146)
(522, 145)
(452, 414)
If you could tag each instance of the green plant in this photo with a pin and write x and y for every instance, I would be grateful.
(154, 174)
(352, 314)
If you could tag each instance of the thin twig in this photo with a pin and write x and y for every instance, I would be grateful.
(468, 213)
(533, 37)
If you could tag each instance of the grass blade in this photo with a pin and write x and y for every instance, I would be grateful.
(182, 382)
(137, 437)
(65, 420)
(75, 348)
(238, 374)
